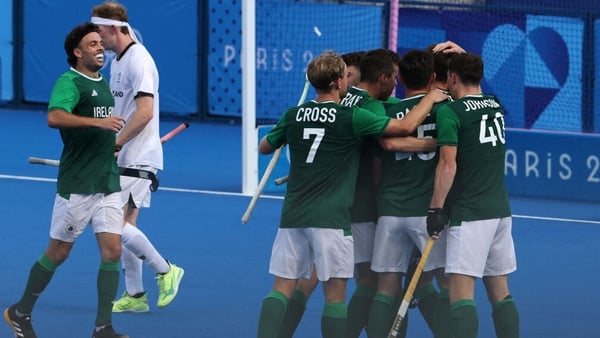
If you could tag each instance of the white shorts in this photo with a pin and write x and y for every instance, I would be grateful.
(295, 250)
(137, 190)
(395, 239)
(70, 217)
(481, 248)
(364, 235)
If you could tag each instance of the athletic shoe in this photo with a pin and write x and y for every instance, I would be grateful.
(168, 285)
(21, 326)
(108, 332)
(129, 303)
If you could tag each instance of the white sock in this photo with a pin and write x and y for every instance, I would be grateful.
(135, 240)
(132, 272)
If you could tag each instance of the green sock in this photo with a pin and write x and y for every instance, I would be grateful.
(427, 296)
(465, 322)
(442, 322)
(506, 318)
(381, 316)
(271, 314)
(293, 314)
(333, 320)
(107, 283)
(39, 277)
(358, 310)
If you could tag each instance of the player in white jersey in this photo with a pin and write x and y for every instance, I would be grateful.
(134, 82)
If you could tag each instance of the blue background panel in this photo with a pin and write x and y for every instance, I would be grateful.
(553, 165)
(169, 32)
(6, 51)
(597, 78)
(533, 64)
(288, 35)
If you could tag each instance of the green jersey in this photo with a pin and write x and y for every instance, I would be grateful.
(407, 178)
(324, 141)
(392, 100)
(87, 162)
(364, 207)
(475, 125)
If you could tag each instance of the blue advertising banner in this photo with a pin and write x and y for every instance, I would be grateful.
(169, 32)
(6, 51)
(533, 63)
(288, 35)
(597, 78)
(554, 165)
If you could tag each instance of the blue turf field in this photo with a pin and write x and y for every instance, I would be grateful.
(195, 222)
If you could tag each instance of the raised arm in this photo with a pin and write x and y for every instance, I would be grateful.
(415, 116)
(448, 47)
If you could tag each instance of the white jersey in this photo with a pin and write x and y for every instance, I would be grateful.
(133, 73)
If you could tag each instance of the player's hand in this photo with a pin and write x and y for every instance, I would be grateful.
(114, 123)
(436, 95)
(448, 47)
(436, 220)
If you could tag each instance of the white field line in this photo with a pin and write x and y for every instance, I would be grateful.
(225, 193)
(194, 191)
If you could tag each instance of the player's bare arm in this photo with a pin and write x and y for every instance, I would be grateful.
(415, 116)
(61, 119)
(265, 147)
(408, 144)
(444, 176)
(139, 119)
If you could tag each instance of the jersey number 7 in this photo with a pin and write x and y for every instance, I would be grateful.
(319, 134)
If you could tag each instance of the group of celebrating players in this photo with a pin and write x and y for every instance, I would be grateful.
(374, 183)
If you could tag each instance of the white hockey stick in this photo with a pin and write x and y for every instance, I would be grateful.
(271, 166)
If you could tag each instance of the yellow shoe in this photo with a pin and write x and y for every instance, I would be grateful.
(168, 285)
(129, 303)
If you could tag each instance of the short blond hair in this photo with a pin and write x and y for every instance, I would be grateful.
(325, 69)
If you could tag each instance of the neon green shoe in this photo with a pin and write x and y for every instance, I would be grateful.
(129, 303)
(168, 285)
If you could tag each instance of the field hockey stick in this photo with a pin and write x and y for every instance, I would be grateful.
(165, 138)
(410, 290)
(175, 131)
(415, 256)
(281, 180)
(271, 165)
(261, 185)
(43, 161)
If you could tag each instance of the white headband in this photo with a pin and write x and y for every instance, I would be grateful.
(110, 22)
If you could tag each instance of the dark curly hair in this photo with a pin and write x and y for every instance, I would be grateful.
(74, 38)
